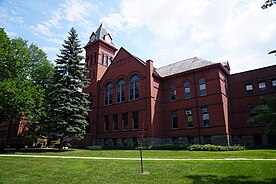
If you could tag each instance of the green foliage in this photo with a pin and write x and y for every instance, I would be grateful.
(266, 115)
(209, 147)
(67, 104)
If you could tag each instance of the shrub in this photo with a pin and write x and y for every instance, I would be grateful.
(209, 147)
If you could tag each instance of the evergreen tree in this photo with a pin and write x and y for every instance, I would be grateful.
(68, 105)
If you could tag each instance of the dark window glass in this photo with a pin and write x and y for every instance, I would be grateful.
(174, 119)
(125, 121)
(273, 83)
(102, 62)
(252, 111)
(106, 123)
(262, 86)
(95, 58)
(115, 122)
(106, 60)
(135, 120)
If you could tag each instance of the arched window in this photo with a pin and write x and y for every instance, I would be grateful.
(102, 62)
(95, 58)
(110, 60)
(173, 92)
(121, 86)
(134, 87)
(202, 87)
(108, 94)
(187, 90)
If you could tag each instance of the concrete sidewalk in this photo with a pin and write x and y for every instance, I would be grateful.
(150, 159)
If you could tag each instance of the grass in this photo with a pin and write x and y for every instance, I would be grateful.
(57, 170)
(161, 153)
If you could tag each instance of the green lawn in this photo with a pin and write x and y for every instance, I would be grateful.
(162, 153)
(58, 170)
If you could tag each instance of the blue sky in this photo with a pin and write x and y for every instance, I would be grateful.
(166, 31)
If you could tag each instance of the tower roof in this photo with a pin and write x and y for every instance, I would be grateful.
(101, 34)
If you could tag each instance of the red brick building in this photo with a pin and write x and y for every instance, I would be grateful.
(190, 101)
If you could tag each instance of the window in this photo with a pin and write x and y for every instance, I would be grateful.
(88, 126)
(106, 60)
(121, 85)
(125, 121)
(252, 111)
(174, 119)
(205, 117)
(189, 118)
(106, 123)
(134, 87)
(262, 86)
(115, 122)
(95, 58)
(110, 60)
(187, 90)
(90, 60)
(249, 89)
(225, 87)
(273, 83)
(102, 59)
(202, 87)
(90, 101)
(108, 94)
(135, 120)
(173, 93)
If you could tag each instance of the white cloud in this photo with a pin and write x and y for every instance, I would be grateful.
(216, 30)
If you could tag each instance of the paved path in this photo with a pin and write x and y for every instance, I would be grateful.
(152, 159)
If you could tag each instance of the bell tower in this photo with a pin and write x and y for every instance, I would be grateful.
(100, 51)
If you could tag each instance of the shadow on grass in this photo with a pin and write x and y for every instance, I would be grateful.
(35, 150)
(204, 179)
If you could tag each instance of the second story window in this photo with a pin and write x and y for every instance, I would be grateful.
(262, 86)
(202, 87)
(95, 58)
(134, 86)
(108, 94)
(273, 83)
(173, 93)
(187, 90)
(249, 89)
(121, 86)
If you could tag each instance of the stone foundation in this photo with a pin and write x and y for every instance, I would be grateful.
(155, 141)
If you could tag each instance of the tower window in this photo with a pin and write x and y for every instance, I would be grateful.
(106, 60)
(102, 62)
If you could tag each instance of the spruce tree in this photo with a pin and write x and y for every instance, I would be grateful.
(68, 105)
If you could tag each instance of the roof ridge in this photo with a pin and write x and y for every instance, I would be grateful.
(178, 62)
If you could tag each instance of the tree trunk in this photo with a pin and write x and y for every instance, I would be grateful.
(61, 144)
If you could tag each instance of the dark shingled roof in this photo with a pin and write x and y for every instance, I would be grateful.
(182, 66)
(100, 34)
